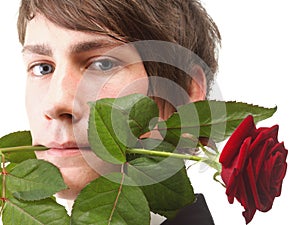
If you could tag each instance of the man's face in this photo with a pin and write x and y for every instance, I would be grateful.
(66, 69)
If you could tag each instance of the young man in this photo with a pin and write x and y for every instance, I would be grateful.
(79, 51)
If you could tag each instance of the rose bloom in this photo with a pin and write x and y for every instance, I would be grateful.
(253, 167)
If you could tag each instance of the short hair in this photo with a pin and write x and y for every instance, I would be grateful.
(183, 22)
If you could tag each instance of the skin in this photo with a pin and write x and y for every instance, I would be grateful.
(65, 70)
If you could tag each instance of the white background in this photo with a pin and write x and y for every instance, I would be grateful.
(258, 64)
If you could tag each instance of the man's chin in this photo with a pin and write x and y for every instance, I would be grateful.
(67, 194)
(75, 172)
(76, 178)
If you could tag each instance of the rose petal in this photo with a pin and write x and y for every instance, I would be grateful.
(232, 186)
(266, 198)
(271, 176)
(261, 156)
(246, 200)
(272, 131)
(249, 214)
(263, 135)
(279, 187)
(252, 184)
(279, 167)
(245, 129)
(237, 164)
(279, 147)
(243, 154)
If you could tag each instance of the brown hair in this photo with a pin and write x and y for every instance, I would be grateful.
(184, 22)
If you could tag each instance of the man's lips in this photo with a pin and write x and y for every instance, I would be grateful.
(64, 149)
(66, 152)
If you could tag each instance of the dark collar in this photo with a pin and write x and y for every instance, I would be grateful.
(194, 214)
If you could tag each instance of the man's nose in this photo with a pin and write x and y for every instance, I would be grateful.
(61, 102)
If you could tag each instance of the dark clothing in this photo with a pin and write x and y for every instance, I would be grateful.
(195, 214)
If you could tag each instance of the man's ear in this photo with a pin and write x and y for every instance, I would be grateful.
(198, 86)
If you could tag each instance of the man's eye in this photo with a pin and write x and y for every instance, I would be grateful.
(104, 65)
(42, 69)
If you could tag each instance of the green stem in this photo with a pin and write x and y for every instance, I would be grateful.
(3, 196)
(163, 154)
(211, 162)
(23, 148)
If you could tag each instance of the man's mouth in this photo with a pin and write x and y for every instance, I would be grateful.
(64, 152)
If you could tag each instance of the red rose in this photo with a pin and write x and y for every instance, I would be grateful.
(253, 167)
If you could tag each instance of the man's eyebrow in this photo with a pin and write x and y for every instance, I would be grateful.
(42, 49)
(93, 45)
(37, 49)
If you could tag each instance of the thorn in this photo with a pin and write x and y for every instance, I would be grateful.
(3, 199)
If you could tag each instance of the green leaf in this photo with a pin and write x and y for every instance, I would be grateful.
(108, 200)
(116, 124)
(141, 113)
(213, 119)
(41, 212)
(34, 180)
(164, 182)
(102, 138)
(20, 138)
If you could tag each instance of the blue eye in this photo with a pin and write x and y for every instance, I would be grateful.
(104, 65)
(42, 69)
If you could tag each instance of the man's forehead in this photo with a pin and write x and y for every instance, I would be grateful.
(44, 34)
